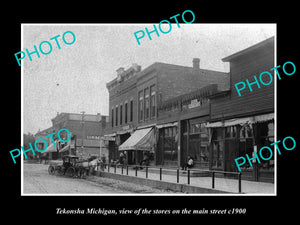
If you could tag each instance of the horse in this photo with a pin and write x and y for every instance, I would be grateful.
(86, 167)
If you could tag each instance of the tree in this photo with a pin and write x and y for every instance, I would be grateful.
(28, 138)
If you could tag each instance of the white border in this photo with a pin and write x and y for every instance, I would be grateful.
(158, 195)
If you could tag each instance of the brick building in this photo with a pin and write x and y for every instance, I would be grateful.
(134, 98)
(86, 130)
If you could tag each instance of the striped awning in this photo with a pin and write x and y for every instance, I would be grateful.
(66, 148)
(142, 139)
(51, 148)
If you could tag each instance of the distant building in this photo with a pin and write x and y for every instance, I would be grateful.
(86, 130)
(51, 152)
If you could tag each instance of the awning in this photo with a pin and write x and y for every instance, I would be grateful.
(51, 148)
(242, 121)
(142, 139)
(124, 131)
(167, 125)
(263, 118)
(67, 147)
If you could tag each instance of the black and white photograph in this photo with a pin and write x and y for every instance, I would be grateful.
(124, 113)
(148, 118)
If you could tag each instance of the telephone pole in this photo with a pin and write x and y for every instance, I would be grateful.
(82, 131)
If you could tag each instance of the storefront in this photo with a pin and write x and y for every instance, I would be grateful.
(167, 144)
(195, 142)
(141, 143)
(51, 152)
(235, 138)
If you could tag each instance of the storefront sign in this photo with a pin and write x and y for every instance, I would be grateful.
(194, 103)
(266, 148)
(125, 127)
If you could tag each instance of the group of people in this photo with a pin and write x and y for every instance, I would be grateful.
(123, 160)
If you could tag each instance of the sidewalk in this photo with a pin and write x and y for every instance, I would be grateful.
(222, 184)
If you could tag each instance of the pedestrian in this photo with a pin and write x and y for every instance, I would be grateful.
(145, 160)
(121, 158)
(125, 159)
(189, 163)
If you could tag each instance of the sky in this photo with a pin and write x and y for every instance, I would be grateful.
(73, 78)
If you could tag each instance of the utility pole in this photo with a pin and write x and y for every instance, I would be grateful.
(82, 131)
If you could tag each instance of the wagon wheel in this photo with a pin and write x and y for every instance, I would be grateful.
(51, 170)
(70, 172)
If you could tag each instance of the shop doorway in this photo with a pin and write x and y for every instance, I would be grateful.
(231, 148)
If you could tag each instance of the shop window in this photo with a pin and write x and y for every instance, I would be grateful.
(217, 154)
(245, 144)
(230, 132)
(218, 133)
(199, 146)
(246, 131)
(266, 138)
(198, 128)
(169, 144)
(166, 132)
(218, 148)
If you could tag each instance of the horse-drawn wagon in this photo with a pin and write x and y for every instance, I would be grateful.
(72, 167)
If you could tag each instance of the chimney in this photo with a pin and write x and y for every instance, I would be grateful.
(120, 71)
(136, 67)
(196, 63)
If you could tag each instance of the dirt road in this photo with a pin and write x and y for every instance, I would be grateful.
(36, 180)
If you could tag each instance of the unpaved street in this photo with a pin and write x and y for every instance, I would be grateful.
(36, 180)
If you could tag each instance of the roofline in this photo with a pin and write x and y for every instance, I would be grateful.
(246, 50)
(62, 114)
(219, 94)
(157, 65)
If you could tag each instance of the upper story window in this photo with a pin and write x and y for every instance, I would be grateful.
(126, 112)
(121, 114)
(131, 110)
(141, 106)
(117, 113)
(112, 117)
(147, 103)
(152, 101)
